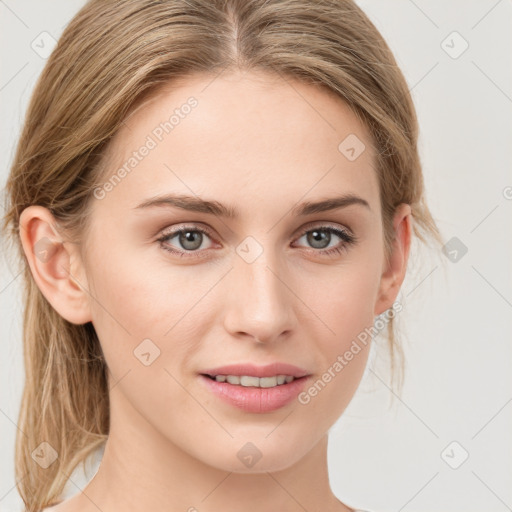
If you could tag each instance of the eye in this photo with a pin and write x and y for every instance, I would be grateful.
(191, 240)
(188, 240)
(320, 237)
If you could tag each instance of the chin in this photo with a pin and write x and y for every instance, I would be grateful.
(256, 452)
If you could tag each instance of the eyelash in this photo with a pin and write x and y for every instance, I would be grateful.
(347, 238)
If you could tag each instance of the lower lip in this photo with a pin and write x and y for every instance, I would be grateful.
(253, 399)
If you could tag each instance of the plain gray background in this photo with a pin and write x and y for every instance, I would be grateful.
(457, 318)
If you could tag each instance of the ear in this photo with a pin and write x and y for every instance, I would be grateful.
(396, 266)
(55, 264)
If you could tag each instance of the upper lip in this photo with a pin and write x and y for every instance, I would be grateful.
(269, 370)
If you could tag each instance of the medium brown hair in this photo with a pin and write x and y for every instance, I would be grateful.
(113, 55)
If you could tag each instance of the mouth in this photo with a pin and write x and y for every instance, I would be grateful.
(256, 389)
(251, 381)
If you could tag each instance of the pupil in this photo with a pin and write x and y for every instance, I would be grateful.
(191, 240)
(318, 236)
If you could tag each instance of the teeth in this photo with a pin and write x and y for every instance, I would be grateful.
(257, 382)
(268, 382)
(249, 381)
(233, 379)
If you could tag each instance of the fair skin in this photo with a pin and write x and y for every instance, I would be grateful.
(257, 144)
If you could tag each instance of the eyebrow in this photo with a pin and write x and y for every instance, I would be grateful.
(196, 204)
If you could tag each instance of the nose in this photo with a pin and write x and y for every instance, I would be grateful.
(260, 303)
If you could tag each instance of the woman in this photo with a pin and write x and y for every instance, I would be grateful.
(213, 200)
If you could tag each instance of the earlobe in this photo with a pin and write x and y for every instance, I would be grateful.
(395, 268)
(53, 263)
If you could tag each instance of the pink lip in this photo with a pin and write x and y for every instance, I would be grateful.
(253, 399)
(268, 370)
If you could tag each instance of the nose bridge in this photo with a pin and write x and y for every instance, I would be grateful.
(261, 306)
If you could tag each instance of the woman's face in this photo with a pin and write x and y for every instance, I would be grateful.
(259, 278)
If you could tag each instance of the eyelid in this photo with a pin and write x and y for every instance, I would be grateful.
(325, 224)
(345, 234)
(184, 227)
(304, 229)
(347, 238)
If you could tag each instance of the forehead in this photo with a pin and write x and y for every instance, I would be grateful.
(253, 135)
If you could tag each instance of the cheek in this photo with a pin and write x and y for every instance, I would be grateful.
(133, 302)
(145, 323)
(343, 298)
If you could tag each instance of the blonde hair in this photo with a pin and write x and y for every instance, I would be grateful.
(112, 56)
